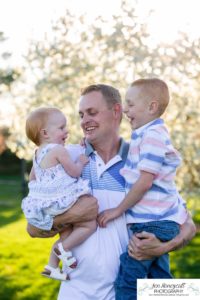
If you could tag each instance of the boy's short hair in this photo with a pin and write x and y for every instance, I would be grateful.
(155, 88)
(110, 94)
(36, 121)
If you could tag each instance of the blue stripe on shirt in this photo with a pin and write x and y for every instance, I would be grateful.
(153, 216)
(154, 188)
(152, 157)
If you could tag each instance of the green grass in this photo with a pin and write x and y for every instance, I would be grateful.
(23, 258)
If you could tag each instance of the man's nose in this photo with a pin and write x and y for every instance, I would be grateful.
(84, 118)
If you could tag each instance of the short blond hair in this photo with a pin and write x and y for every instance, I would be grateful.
(156, 89)
(37, 120)
(110, 94)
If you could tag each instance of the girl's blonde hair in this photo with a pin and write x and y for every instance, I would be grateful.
(36, 121)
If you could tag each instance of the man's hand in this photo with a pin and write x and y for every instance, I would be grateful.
(145, 245)
(36, 232)
(107, 216)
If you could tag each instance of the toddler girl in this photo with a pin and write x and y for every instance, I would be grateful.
(55, 186)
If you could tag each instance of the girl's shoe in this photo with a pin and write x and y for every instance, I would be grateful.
(65, 256)
(54, 273)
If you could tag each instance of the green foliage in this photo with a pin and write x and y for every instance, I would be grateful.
(9, 163)
(185, 263)
(187, 260)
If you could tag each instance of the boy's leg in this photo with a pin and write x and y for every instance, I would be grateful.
(130, 270)
(160, 268)
(165, 231)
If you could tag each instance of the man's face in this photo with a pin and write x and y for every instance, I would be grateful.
(97, 119)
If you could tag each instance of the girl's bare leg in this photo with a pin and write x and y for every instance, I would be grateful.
(53, 259)
(80, 232)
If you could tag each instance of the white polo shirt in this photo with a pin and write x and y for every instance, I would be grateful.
(98, 256)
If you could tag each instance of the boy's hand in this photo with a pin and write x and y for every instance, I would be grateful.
(108, 215)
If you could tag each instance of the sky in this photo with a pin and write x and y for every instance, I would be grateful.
(23, 20)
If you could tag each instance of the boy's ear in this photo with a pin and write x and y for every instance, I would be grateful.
(153, 107)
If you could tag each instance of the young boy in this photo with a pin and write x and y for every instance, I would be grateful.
(152, 201)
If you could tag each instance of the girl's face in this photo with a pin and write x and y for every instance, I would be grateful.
(56, 128)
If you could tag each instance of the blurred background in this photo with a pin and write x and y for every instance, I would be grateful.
(49, 51)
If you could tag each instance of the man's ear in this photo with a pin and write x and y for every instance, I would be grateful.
(153, 107)
(117, 109)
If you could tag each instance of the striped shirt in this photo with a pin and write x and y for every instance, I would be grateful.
(151, 150)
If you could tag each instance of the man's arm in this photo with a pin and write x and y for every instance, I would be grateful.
(145, 245)
(85, 209)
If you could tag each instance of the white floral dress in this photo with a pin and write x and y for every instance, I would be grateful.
(52, 193)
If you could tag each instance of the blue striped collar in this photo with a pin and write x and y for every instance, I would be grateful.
(123, 149)
(151, 124)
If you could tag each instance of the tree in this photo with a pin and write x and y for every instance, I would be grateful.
(80, 53)
(7, 76)
(4, 133)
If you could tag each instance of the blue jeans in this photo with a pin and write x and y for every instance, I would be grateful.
(132, 269)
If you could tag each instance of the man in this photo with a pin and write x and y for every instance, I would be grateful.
(98, 257)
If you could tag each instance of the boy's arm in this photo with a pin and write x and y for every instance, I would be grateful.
(145, 245)
(136, 193)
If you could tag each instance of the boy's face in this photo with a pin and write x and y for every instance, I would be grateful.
(137, 107)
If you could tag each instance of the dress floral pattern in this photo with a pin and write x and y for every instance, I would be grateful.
(52, 193)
